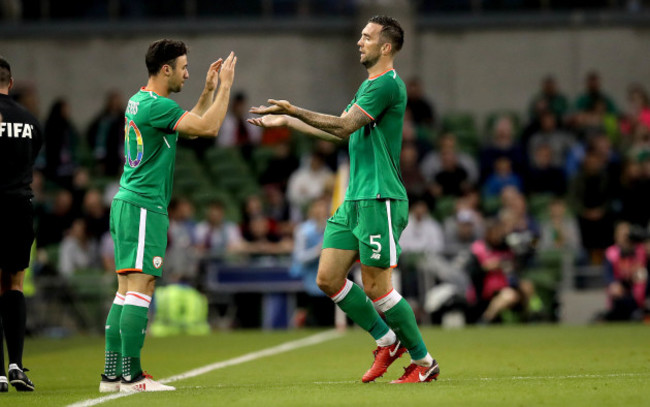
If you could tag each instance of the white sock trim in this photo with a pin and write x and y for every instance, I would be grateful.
(425, 361)
(137, 299)
(388, 339)
(119, 299)
(388, 301)
(343, 292)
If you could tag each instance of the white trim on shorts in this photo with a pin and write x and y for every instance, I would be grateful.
(142, 233)
(391, 240)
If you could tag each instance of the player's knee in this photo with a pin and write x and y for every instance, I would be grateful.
(327, 284)
(371, 290)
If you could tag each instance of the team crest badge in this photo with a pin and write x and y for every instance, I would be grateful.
(157, 262)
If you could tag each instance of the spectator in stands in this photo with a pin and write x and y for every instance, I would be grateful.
(215, 236)
(552, 99)
(78, 251)
(419, 136)
(522, 230)
(261, 241)
(329, 152)
(79, 187)
(634, 193)
(591, 194)
(421, 237)
(280, 166)
(105, 136)
(61, 142)
(278, 209)
(107, 253)
(423, 112)
(452, 179)
(448, 269)
(503, 176)
(307, 183)
(593, 95)
(543, 176)
(423, 234)
(560, 141)
(95, 215)
(432, 162)
(236, 131)
(597, 120)
(462, 229)
(52, 224)
(560, 231)
(412, 177)
(638, 113)
(502, 144)
(254, 208)
(627, 273)
(181, 258)
(492, 271)
(317, 308)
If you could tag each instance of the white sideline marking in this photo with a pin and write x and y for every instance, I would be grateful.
(284, 347)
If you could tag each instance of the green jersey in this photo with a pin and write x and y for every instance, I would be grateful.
(375, 148)
(150, 138)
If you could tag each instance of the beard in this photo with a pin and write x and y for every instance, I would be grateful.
(370, 62)
(176, 87)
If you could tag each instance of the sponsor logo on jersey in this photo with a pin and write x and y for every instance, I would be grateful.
(157, 262)
(16, 130)
(375, 256)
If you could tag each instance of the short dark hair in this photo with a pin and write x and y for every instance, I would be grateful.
(5, 71)
(163, 52)
(391, 31)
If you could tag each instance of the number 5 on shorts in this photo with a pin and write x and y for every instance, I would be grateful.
(374, 242)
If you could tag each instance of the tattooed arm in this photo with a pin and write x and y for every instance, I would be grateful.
(272, 120)
(340, 127)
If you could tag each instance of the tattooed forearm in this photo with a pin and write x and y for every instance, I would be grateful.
(338, 126)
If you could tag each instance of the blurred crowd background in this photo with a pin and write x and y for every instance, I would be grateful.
(530, 214)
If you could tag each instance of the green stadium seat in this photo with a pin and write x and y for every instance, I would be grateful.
(445, 207)
(538, 205)
(463, 126)
(491, 205)
(260, 160)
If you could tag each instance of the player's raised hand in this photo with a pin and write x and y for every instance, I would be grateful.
(276, 107)
(227, 73)
(269, 121)
(212, 78)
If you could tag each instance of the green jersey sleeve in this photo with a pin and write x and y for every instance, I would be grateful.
(165, 114)
(379, 95)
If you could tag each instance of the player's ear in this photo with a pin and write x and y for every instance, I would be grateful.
(386, 48)
(11, 83)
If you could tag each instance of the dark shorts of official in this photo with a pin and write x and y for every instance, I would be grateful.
(16, 233)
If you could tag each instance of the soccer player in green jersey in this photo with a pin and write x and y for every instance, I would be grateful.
(138, 220)
(368, 224)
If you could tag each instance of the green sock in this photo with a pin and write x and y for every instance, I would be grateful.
(360, 309)
(113, 349)
(133, 325)
(401, 319)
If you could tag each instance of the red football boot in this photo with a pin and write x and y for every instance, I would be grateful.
(419, 374)
(384, 357)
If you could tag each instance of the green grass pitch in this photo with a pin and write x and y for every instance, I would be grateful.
(604, 365)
